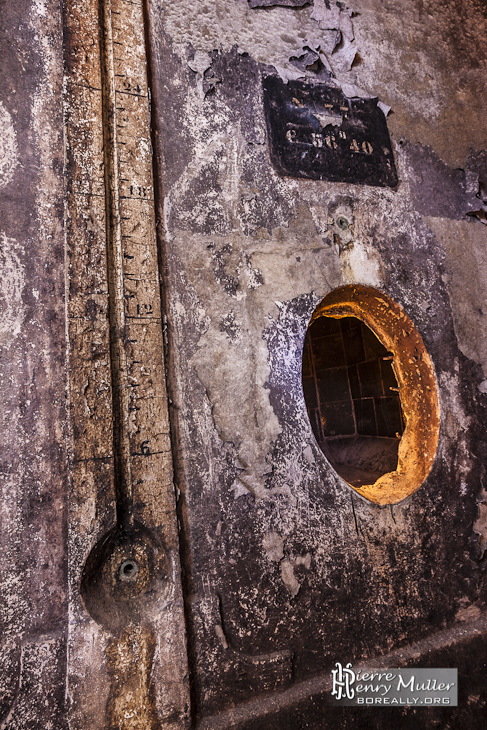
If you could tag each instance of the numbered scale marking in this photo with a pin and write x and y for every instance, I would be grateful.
(122, 522)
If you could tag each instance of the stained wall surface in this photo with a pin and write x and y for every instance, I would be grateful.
(284, 568)
(287, 568)
(33, 471)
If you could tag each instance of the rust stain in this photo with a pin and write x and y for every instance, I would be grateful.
(416, 381)
(122, 506)
(131, 703)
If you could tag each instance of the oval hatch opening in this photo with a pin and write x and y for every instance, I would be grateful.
(370, 393)
(352, 397)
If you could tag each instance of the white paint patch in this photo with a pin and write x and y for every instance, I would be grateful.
(238, 489)
(287, 572)
(289, 579)
(12, 284)
(327, 119)
(308, 455)
(39, 8)
(385, 108)
(9, 152)
(456, 418)
(273, 545)
(200, 63)
(362, 265)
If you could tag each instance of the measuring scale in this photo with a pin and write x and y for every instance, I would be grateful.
(127, 548)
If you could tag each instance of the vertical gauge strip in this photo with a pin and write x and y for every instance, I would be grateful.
(133, 266)
(135, 313)
(131, 245)
(116, 287)
(121, 462)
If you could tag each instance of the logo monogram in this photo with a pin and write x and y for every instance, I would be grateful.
(343, 678)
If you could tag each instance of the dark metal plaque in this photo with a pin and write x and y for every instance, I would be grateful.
(316, 132)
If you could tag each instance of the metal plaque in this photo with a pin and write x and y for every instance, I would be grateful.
(316, 132)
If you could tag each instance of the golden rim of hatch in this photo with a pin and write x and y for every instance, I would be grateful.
(415, 378)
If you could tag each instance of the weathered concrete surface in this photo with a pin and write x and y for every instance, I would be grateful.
(286, 570)
(33, 607)
(466, 284)
(280, 556)
(306, 703)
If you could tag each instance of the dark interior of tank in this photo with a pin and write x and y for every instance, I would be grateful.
(352, 398)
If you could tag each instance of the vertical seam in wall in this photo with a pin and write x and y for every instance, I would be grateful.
(68, 435)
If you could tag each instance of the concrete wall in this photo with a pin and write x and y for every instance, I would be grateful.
(285, 568)
(33, 612)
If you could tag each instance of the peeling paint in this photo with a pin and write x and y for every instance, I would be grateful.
(287, 572)
(465, 244)
(9, 156)
(273, 545)
(11, 289)
(285, 34)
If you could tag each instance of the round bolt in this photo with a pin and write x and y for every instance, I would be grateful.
(343, 223)
(128, 570)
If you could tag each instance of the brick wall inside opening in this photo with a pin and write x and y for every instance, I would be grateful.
(348, 381)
